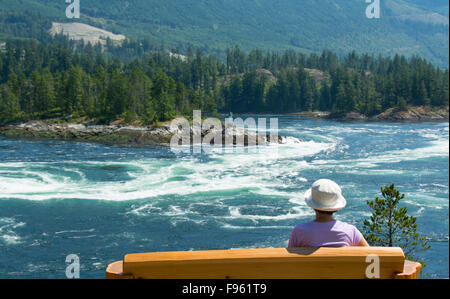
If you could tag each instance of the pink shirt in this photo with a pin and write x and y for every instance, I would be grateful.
(325, 234)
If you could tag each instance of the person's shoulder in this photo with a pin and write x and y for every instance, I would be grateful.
(302, 226)
(353, 232)
(346, 225)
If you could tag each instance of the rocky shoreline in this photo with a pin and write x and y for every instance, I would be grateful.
(123, 135)
(119, 134)
(412, 114)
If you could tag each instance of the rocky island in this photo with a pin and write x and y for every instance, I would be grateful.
(121, 135)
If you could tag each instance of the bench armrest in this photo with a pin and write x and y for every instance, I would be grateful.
(411, 270)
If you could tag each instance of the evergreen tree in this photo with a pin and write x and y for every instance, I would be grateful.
(74, 92)
(390, 225)
(139, 82)
(9, 106)
(163, 95)
(117, 96)
(325, 97)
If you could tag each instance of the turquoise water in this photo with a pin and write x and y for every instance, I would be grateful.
(102, 202)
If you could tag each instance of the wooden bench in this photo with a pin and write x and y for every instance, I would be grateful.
(269, 263)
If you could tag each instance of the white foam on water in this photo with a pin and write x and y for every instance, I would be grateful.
(82, 237)
(33, 182)
(264, 172)
(175, 220)
(272, 192)
(75, 231)
(440, 186)
(238, 227)
(74, 170)
(225, 171)
(176, 211)
(7, 233)
(235, 213)
(423, 199)
(437, 147)
(420, 211)
(144, 210)
(372, 172)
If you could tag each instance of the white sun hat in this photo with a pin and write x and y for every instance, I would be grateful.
(325, 195)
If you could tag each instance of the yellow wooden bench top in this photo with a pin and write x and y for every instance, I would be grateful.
(267, 263)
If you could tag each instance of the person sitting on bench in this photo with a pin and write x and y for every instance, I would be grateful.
(325, 197)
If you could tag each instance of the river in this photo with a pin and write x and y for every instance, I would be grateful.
(101, 202)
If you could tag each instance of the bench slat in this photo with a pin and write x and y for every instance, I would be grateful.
(268, 263)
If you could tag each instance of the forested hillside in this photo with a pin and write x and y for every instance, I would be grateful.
(140, 83)
(405, 26)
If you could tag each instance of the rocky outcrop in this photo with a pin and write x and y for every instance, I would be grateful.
(411, 114)
(122, 135)
(312, 114)
(414, 114)
(87, 33)
(350, 116)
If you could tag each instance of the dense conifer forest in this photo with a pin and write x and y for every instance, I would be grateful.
(143, 83)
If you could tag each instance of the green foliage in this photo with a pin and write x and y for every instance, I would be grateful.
(61, 81)
(307, 26)
(390, 226)
(359, 83)
(9, 106)
(73, 80)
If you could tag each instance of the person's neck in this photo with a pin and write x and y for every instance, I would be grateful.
(324, 218)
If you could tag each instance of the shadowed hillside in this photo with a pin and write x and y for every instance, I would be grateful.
(406, 26)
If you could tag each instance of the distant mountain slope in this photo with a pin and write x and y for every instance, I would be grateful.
(307, 25)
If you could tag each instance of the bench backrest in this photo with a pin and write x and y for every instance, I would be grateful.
(268, 263)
